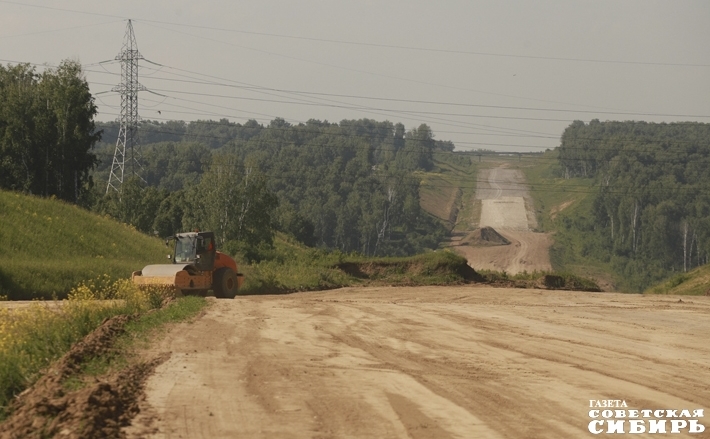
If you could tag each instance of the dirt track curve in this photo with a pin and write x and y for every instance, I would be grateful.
(426, 362)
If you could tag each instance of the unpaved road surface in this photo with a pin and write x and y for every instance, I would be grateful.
(503, 194)
(426, 362)
(527, 251)
(16, 304)
(507, 207)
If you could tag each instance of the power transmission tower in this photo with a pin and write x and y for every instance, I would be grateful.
(127, 141)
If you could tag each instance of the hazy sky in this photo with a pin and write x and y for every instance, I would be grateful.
(503, 75)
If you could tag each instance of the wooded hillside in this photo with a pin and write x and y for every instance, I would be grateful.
(349, 186)
(650, 214)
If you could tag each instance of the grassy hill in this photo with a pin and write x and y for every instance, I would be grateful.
(695, 283)
(48, 246)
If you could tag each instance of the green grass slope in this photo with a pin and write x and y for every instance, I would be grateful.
(693, 283)
(48, 246)
(552, 195)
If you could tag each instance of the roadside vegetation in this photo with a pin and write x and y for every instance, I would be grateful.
(49, 247)
(629, 199)
(352, 186)
(32, 337)
(551, 193)
(543, 280)
(290, 266)
(694, 283)
(559, 204)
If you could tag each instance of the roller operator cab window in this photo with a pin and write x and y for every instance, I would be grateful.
(184, 250)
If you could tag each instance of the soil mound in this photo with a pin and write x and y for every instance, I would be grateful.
(484, 237)
(97, 410)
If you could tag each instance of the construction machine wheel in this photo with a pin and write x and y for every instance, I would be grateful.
(224, 283)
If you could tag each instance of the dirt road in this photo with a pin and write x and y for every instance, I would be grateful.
(428, 362)
(507, 207)
(528, 251)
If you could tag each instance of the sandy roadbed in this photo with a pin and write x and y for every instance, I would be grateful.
(528, 251)
(428, 362)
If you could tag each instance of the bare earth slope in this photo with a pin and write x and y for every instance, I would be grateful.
(506, 206)
(427, 362)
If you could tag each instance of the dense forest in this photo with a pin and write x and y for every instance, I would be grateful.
(650, 214)
(350, 186)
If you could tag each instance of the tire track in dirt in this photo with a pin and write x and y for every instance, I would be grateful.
(527, 251)
(445, 362)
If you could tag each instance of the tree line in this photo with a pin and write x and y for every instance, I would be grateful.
(650, 214)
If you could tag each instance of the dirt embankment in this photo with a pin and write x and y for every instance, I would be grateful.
(428, 362)
(54, 408)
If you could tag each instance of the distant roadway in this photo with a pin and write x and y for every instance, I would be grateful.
(507, 207)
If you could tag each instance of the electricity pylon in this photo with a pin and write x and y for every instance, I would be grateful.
(129, 87)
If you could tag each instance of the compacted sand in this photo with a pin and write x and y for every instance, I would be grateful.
(426, 362)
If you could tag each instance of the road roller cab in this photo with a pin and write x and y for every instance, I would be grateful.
(195, 248)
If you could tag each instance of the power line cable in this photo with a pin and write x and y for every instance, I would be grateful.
(455, 123)
(369, 109)
(58, 30)
(410, 113)
(441, 120)
(667, 157)
(494, 144)
(366, 44)
(435, 50)
(75, 11)
(557, 137)
(222, 96)
(414, 81)
(414, 101)
(404, 114)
